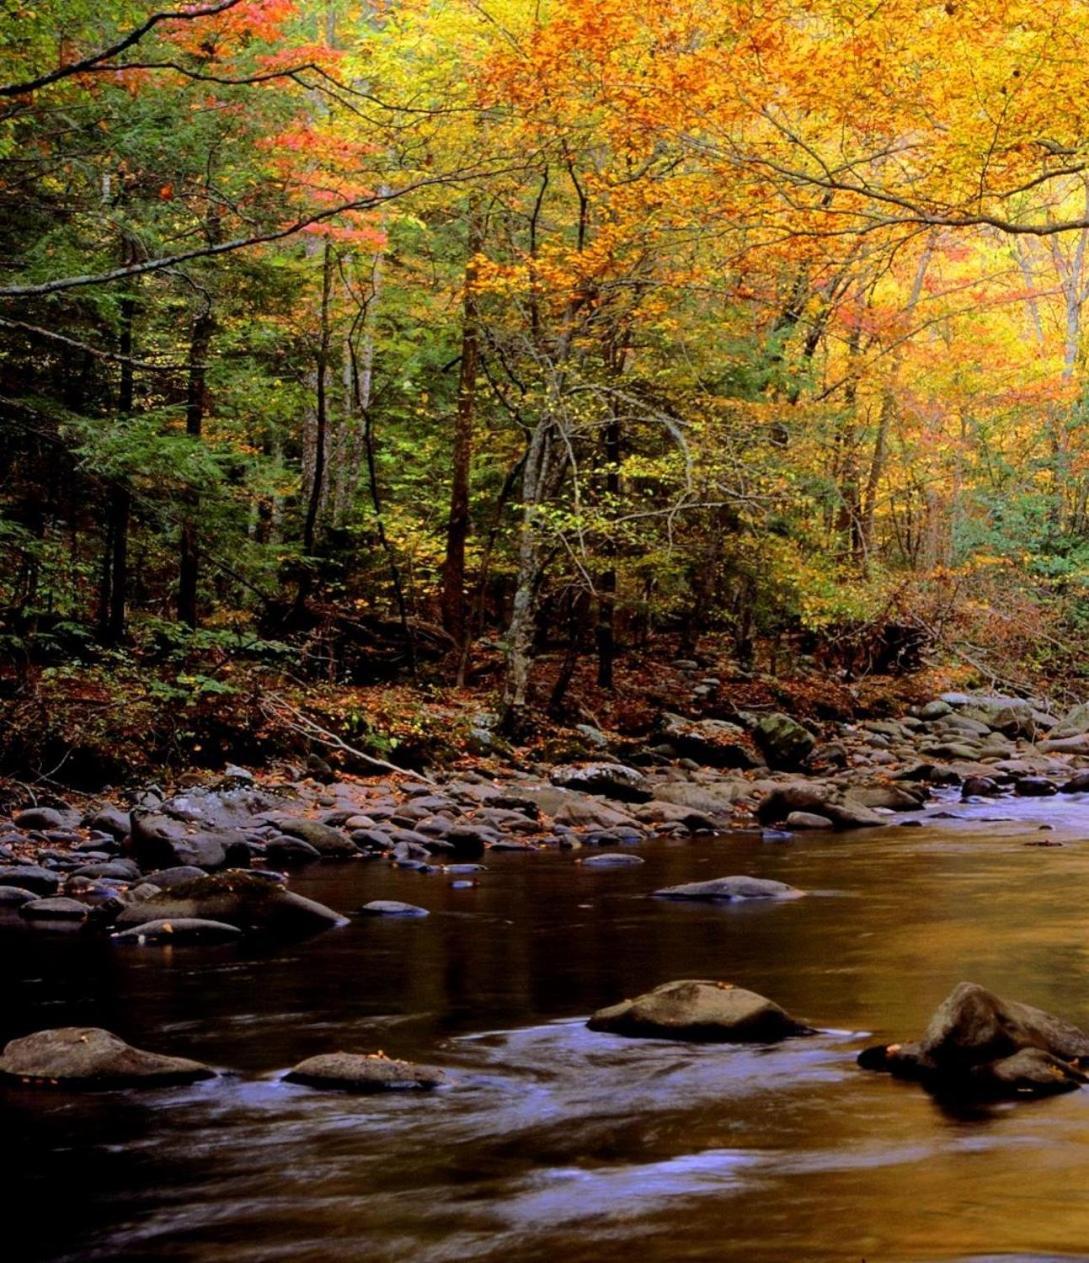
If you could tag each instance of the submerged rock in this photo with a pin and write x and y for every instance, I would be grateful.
(612, 859)
(88, 1057)
(731, 888)
(699, 1010)
(183, 930)
(358, 1072)
(979, 1045)
(392, 908)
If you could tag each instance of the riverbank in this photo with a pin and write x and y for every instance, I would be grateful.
(767, 771)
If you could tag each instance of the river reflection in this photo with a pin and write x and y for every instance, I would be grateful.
(551, 1142)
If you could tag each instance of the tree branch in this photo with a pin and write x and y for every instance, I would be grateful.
(133, 37)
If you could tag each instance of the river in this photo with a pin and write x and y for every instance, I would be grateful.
(551, 1142)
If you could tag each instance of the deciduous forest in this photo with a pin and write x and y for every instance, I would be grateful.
(544, 630)
(517, 347)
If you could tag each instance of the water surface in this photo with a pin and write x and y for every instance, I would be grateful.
(551, 1142)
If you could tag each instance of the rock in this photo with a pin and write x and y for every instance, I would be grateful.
(612, 859)
(1016, 719)
(713, 798)
(1035, 787)
(41, 818)
(828, 757)
(798, 796)
(730, 889)
(168, 878)
(594, 737)
(955, 700)
(613, 780)
(1065, 745)
(467, 842)
(582, 810)
(288, 851)
(15, 896)
(712, 742)
(1077, 784)
(808, 820)
(1074, 723)
(160, 841)
(890, 797)
(109, 819)
(978, 1044)
(123, 870)
(89, 1058)
(218, 808)
(355, 1072)
(42, 881)
(58, 908)
(979, 787)
(330, 843)
(392, 908)
(661, 813)
(936, 709)
(699, 1010)
(182, 930)
(249, 901)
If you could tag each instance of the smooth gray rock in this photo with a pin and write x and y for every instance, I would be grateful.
(699, 1010)
(612, 859)
(356, 1072)
(181, 930)
(88, 1058)
(730, 889)
(392, 908)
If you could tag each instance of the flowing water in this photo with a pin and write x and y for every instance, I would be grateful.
(551, 1142)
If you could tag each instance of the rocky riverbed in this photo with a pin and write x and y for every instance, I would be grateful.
(115, 862)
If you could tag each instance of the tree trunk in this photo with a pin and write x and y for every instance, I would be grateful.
(189, 563)
(537, 480)
(317, 484)
(605, 632)
(115, 571)
(457, 532)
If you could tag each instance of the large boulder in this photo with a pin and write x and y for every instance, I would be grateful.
(713, 742)
(730, 889)
(88, 1057)
(613, 780)
(699, 1010)
(161, 841)
(250, 901)
(357, 1072)
(978, 1044)
(783, 742)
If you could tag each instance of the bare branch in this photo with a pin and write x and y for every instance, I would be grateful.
(133, 37)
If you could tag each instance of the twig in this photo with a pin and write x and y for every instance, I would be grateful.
(313, 730)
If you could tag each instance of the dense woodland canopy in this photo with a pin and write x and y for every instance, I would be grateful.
(426, 337)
